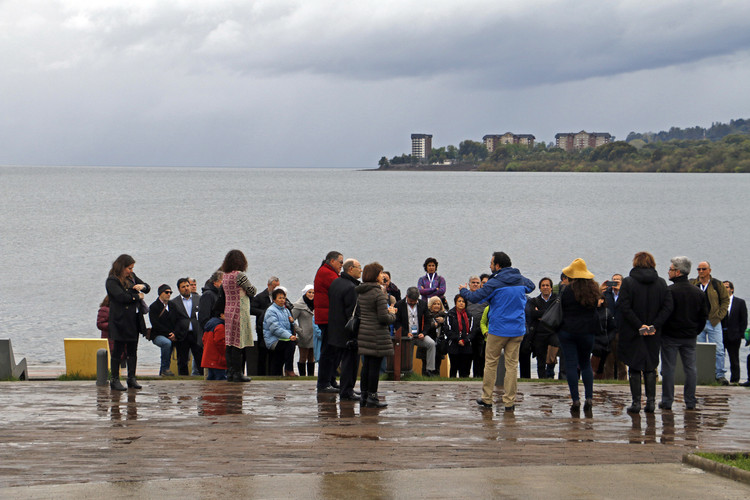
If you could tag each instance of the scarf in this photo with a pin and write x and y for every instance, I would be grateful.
(463, 319)
(310, 303)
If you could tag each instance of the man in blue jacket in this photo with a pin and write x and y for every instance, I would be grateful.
(505, 292)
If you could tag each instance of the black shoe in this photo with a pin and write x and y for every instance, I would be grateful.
(328, 390)
(481, 403)
(649, 408)
(510, 408)
(349, 397)
(133, 383)
(634, 408)
(663, 406)
(166, 373)
(722, 381)
(691, 408)
(575, 407)
(335, 385)
(745, 384)
(116, 385)
(374, 402)
(588, 405)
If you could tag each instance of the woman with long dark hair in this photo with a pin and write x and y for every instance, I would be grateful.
(645, 304)
(237, 293)
(125, 291)
(580, 325)
(374, 338)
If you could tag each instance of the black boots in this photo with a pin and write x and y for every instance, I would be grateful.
(634, 378)
(301, 369)
(234, 359)
(311, 368)
(114, 382)
(132, 382)
(649, 380)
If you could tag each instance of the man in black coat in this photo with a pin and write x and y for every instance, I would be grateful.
(187, 330)
(258, 307)
(162, 328)
(543, 338)
(679, 333)
(342, 300)
(414, 321)
(734, 325)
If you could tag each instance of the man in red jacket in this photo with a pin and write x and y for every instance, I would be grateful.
(327, 272)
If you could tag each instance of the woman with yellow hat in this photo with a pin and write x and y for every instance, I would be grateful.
(580, 325)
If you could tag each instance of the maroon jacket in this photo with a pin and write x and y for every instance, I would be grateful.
(323, 279)
(102, 321)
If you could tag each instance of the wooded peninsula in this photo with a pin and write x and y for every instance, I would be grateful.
(722, 148)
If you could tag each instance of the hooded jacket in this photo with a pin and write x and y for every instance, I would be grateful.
(644, 300)
(505, 292)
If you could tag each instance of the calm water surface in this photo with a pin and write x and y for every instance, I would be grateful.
(61, 228)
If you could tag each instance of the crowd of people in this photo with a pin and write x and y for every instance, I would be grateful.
(622, 329)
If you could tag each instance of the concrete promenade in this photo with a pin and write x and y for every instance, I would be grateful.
(279, 439)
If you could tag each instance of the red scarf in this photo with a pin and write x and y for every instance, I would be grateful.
(463, 318)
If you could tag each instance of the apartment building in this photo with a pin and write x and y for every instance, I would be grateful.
(581, 140)
(493, 141)
(421, 145)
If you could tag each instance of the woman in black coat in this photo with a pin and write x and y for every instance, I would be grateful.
(645, 303)
(459, 325)
(125, 291)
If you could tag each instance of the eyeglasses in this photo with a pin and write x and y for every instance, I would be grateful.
(168, 292)
(702, 269)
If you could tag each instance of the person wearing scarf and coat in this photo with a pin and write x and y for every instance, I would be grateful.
(459, 325)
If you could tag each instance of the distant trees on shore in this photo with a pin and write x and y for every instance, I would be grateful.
(720, 148)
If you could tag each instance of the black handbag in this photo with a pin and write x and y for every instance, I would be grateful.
(441, 346)
(352, 324)
(553, 316)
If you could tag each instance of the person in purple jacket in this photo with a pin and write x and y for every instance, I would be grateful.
(432, 284)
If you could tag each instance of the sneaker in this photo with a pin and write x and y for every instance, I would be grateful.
(481, 403)
(722, 381)
(328, 390)
(166, 373)
(745, 384)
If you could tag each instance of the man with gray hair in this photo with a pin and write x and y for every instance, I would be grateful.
(680, 331)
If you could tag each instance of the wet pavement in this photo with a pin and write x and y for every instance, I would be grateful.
(58, 433)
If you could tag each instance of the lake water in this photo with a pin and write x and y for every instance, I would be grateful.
(61, 228)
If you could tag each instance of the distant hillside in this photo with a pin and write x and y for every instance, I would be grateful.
(716, 132)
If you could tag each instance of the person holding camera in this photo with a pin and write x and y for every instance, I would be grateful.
(342, 301)
(645, 304)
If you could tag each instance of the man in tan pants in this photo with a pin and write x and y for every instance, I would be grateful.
(505, 292)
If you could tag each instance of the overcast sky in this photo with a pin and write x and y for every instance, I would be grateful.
(341, 83)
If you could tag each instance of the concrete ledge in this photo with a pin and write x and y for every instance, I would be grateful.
(717, 467)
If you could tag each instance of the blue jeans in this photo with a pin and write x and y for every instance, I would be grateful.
(715, 335)
(577, 353)
(165, 345)
(216, 374)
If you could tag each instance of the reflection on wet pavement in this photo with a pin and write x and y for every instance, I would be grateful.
(271, 426)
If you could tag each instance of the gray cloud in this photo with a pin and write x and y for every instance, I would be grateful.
(287, 83)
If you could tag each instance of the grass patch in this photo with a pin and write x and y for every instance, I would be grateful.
(739, 460)
(67, 377)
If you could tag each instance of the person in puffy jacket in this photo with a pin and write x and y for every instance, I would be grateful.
(277, 332)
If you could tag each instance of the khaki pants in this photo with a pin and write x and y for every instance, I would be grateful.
(495, 346)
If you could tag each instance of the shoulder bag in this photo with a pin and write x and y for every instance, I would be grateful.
(553, 316)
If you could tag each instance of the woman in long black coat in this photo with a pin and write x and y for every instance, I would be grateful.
(125, 291)
(645, 303)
